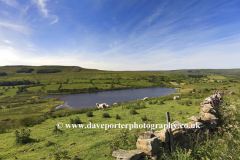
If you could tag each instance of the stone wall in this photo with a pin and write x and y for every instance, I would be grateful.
(154, 144)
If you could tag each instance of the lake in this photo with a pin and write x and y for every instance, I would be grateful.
(84, 100)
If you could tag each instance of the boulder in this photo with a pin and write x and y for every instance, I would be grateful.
(207, 105)
(146, 135)
(122, 154)
(206, 108)
(202, 114)
(150, 147)
(209, 116)
(162, 135)
(208, 100)
(195, 118)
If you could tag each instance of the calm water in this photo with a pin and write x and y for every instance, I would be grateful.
(84, 100)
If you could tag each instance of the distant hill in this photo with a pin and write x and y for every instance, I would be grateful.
(223, 72)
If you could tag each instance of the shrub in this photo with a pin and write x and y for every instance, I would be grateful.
(105, 115)
(161, 102)
(75, 121)
(89, 114)
(23, 136)
(118, 117)
(28, 121)
(133, 111)
(56, 130)
(155, 102)
(144, 118)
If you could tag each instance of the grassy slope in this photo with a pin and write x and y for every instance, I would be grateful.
(86, 138)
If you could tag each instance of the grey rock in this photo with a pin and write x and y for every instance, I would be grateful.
(122, 154)
(149, 146)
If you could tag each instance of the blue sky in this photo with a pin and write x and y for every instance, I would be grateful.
(121, 34)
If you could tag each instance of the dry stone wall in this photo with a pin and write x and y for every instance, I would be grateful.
(154, 144)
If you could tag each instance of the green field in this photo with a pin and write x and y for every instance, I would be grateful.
(21, 106)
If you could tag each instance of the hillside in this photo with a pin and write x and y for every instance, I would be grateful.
(21, 106)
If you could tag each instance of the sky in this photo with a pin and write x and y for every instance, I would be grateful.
(121, 35)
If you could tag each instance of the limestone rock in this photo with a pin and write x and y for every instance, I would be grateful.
(163, 135)
(202, 114)
(122, 154)
(209, 116)
(146, 135)
(149, 146)
(206, 108)
(207, 105)
(195, 118)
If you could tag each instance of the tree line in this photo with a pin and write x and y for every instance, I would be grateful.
(48, 70)
(3, 74)
(14, 83)
(25, 70)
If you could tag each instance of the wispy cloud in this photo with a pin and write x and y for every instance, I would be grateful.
(41, 4)
(56, 20)
(12, 3)
(7, 41)
(15, 27)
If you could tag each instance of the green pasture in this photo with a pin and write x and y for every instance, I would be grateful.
(86, 138)
(216, 77)
(17, 103)
(77, 86)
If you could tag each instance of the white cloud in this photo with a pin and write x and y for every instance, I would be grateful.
(7, 41)
(213, 56)
(55, 21)
(12, 3)
(41, 4)
(15, 27)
